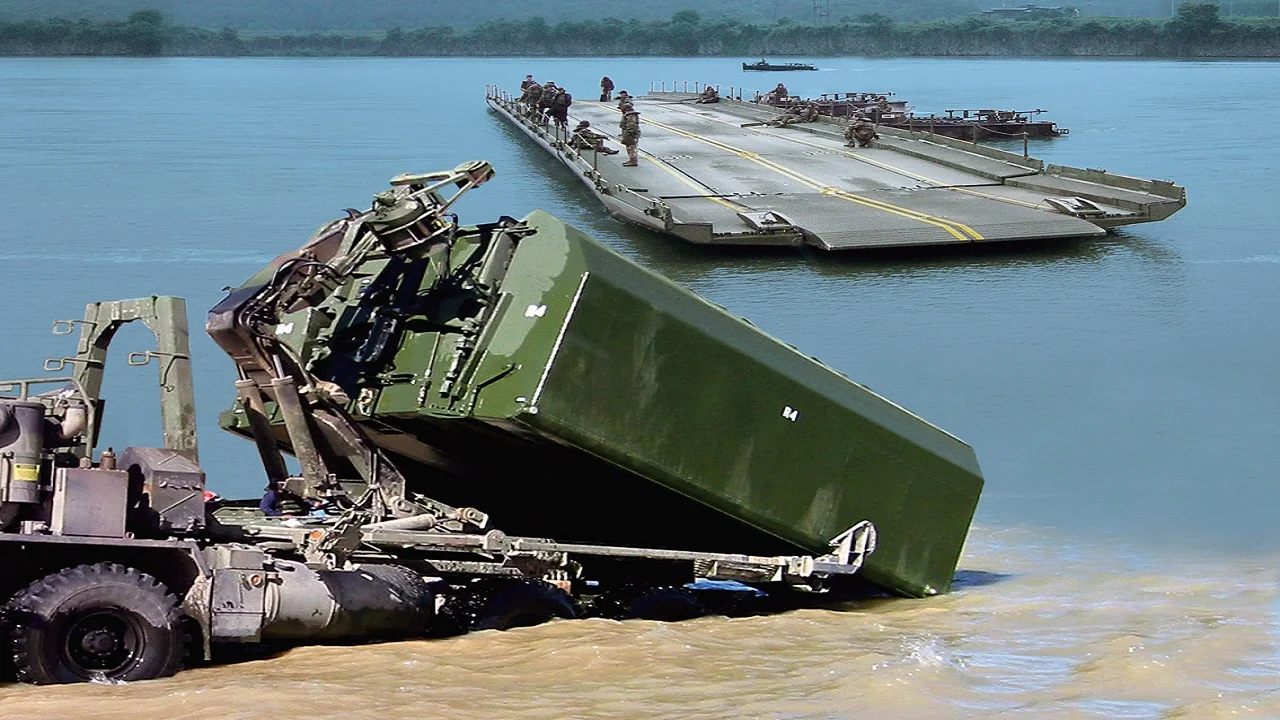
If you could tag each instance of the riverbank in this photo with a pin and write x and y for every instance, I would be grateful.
(1197, 31)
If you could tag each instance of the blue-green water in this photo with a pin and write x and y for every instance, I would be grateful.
(1122, 394)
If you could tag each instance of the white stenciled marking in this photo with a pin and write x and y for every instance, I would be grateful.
(790, 413)
(535, 311)
(284, 328)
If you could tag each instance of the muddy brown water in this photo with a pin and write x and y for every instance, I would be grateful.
(1094, 637)
(1122, 394)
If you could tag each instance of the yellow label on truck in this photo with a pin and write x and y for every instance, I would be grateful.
(27, 473)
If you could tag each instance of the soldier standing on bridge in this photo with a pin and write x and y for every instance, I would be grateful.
(549, 92)
(524, 84)
(606, 89)
(630, 126)
(624, 101)
(560, 109)
(532, 96)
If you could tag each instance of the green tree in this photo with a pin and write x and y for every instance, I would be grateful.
(149, 16)
(1195, 21)
(143, 33)
(687, 16)
(877, 21)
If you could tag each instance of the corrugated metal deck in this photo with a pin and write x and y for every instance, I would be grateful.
(708, 172)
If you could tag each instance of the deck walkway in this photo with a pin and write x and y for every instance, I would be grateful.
(711, 174)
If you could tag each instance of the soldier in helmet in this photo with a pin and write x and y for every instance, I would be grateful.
(549, 92)
(524, 84)
(532, 96)
(780, 94)
(630, 127)
(559, 108)
(624, 100)
(792, 115)
(708, 96)
(859, 131)
(606, 89)
(584, 138)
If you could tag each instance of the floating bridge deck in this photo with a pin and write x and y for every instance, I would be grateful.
(713, 174)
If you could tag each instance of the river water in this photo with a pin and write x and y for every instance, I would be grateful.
(1121, 393)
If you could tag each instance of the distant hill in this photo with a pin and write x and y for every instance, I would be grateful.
(360, 16)
(367, 16)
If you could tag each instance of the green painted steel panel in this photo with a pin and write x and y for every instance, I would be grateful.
(598, 401)
(662, 382)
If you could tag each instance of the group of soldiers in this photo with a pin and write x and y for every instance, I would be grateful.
(859, 131)
(545, 100)
(800, 112)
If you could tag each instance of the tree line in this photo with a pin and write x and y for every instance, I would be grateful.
(1197, 30)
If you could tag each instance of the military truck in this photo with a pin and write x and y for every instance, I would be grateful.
(460, 427)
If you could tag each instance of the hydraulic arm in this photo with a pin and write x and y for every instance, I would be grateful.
(339, 464)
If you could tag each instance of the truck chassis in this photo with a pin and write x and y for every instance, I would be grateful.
(122, 568)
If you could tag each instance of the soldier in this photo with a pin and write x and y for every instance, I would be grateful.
(584, 138)
(532, 96)
(780, 94)
(606, 89)
(630, 126)
(549, 92)
(559, 108)
(528, 80)
(861, 131)
(882, 104)
(710, 95)
(809, 113)
(624, 100)
(792, 115)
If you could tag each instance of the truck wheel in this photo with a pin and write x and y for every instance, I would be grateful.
(95, 622)
(522, 604)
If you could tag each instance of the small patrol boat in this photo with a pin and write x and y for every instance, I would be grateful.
(766, 65)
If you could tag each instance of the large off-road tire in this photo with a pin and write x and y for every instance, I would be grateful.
(522, 603)
(95, 622)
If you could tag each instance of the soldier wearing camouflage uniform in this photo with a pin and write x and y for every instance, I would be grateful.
(859, 131)
(630, 127)
(559, 108)
(549, 92)
(532, 95)
(584, 138)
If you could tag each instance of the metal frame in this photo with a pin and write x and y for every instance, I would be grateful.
(505, 554)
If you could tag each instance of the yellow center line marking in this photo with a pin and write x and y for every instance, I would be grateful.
(956, 230)
(702, 190)
(879, 164)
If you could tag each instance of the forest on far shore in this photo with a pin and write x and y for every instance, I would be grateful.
(366, 17)
(1196, 30)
